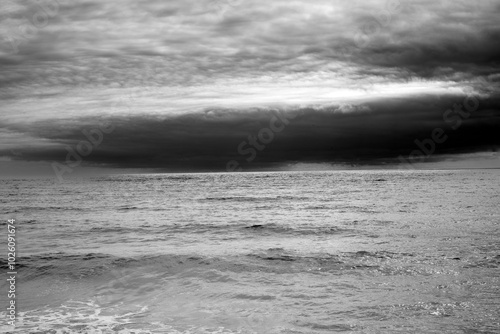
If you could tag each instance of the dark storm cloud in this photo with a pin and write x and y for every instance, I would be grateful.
(371, 133)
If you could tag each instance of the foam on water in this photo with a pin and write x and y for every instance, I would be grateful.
(90, 318)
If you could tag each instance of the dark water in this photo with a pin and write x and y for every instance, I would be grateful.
(311, 252)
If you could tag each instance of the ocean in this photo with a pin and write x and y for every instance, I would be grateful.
(280, 252)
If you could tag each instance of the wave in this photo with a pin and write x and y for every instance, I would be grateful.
(273, 260)
(91, 317)
(117, 229)
(255, 228)
(144, 178)
(239, 199)
(254, 198)
(48, 208)
(84, 317)
(126, 208)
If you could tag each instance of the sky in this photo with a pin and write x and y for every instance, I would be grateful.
(247, 85)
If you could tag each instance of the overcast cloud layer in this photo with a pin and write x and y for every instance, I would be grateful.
(182, 85)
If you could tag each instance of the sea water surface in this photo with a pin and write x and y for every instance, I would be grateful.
(282, 252)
